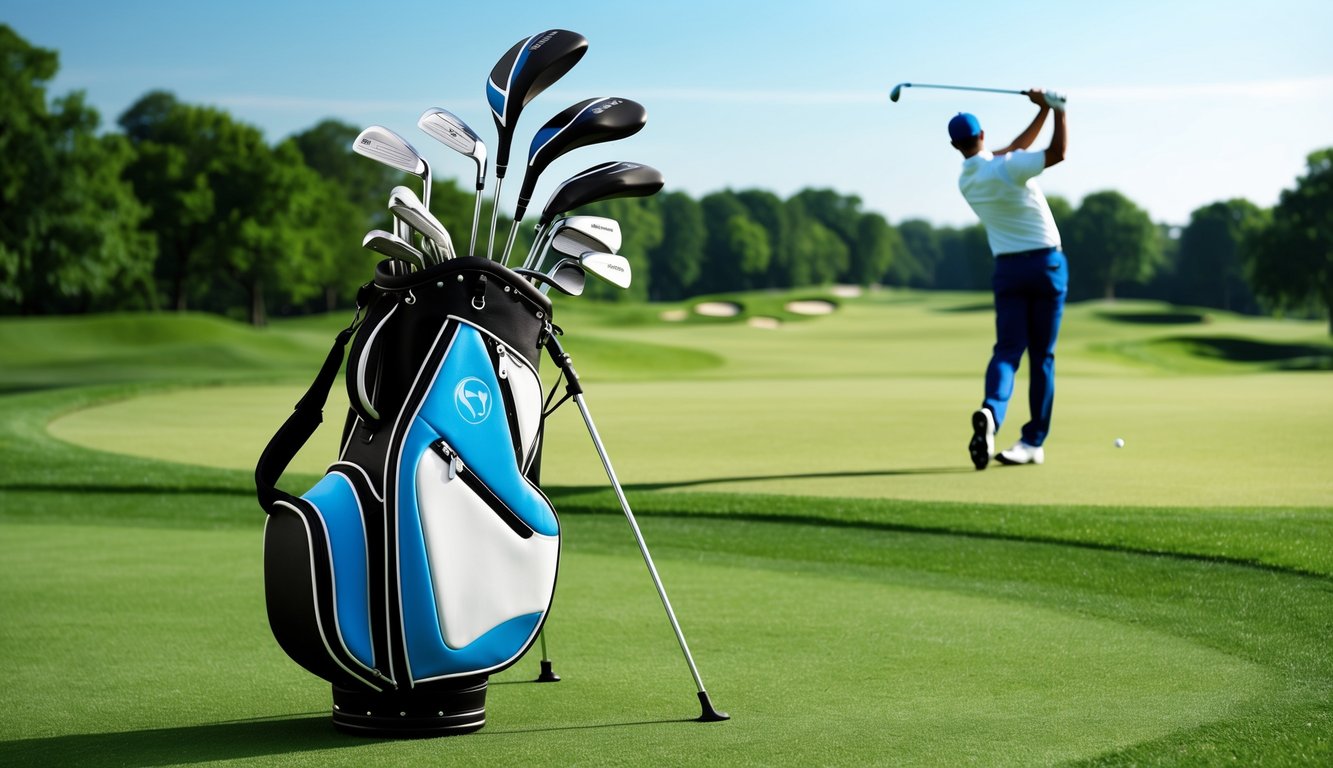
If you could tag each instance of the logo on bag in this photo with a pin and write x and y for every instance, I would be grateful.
(472, 398)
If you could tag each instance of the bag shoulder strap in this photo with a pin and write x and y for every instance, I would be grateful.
(305, 419)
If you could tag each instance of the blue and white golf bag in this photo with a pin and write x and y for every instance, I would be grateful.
(425, 559)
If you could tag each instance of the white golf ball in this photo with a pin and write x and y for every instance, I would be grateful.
(1119, 443)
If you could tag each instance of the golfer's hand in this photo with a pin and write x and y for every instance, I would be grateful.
(1037, 96)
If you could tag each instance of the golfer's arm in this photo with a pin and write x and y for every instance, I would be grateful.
(1059, 140)
(1028, 135)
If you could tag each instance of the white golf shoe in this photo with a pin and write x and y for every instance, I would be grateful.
(982, 445)
(1022, 453)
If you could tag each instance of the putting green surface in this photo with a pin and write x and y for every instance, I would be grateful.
(903, 438)
(152, 649)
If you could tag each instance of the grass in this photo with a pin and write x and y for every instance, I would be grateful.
(851, 596)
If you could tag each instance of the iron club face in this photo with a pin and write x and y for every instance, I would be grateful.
(383, 145)
(608, 267)
(394, 247)
(450, 130)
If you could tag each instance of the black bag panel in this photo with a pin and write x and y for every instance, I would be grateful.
(478, 290)
(302, 602)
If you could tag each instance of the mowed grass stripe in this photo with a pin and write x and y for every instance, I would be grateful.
(830, 647)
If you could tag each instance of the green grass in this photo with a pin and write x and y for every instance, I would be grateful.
(854, 593)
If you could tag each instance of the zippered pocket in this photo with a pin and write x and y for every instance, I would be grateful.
(455, 469)
(487, 567)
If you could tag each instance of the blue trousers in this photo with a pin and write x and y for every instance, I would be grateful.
(1029, 302)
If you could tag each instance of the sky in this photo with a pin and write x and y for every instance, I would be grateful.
(1174, 104)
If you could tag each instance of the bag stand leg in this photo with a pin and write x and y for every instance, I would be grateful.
(575, 389)
(547, 674)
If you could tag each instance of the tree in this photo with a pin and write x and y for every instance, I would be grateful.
(239, 222)
(877, 247)
(675, 264)
(721, 268)
(1111, 241)
(766, 210)
(1210, 270)
(69, 238)
(966, 263)
(921, 253)
(1291, 261)
(749, 244)
(170, 175)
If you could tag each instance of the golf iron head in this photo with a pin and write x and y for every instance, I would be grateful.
(394, 247)
(566, 276)
(608, 267)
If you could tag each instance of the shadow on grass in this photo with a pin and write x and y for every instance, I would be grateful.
(1155, 318)
(231, 740)
(963, 308)
(785, 476)
(1295, 357)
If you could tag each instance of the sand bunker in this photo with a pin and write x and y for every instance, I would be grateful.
(717, 309)
(811, 307)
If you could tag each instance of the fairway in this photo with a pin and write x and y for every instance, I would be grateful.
(853, 591)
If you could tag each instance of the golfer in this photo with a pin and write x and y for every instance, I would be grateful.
(1030, 278)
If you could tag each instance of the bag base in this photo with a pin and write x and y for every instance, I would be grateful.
(445, 708)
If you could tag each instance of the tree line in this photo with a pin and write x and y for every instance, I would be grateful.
(185, 207)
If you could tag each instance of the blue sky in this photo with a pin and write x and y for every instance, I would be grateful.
(1175, 104)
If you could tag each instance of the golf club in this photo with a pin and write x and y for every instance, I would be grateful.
(450, 130)
(565, 276)
(601, 228)
(597, 229)
(569, 242)
(524, 71)
(1054, 100)
(575, 390)
(591, 121)
(383, 145)
(405, 205)
(600, 182)
(393, 246)
(608, 267)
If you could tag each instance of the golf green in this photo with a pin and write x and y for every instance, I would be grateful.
(901, 438)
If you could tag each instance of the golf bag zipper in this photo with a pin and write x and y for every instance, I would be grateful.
(506, 366)
(457, 470)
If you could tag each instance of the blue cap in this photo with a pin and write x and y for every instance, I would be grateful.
(964, 127)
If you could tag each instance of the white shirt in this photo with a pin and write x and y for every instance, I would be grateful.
(1005, 196)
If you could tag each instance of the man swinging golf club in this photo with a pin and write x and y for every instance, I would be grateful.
(1031, 275)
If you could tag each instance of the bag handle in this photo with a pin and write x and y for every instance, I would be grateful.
(305, 418)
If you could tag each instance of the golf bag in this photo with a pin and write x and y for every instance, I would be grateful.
(425, 559)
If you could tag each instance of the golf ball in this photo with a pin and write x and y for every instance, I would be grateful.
(1119, 442)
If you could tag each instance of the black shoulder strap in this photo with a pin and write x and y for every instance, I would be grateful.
(303, 422)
